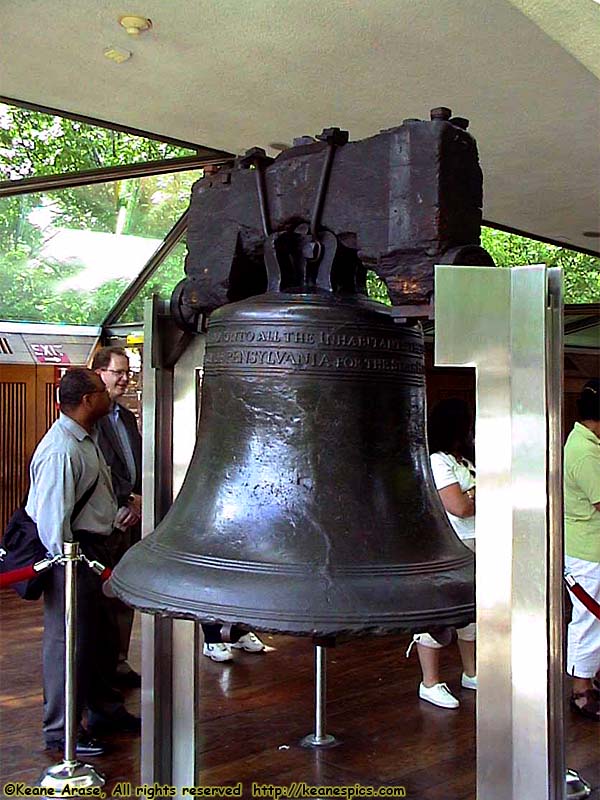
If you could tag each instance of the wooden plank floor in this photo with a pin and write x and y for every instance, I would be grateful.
(254, 711)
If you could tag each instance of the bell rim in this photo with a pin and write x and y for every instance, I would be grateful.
(315, 604)
(291, 622)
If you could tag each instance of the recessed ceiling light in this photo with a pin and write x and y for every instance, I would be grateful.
(592, 234)
(134, 25)
(117, 54)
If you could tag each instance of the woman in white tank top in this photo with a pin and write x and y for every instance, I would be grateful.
(450, 437)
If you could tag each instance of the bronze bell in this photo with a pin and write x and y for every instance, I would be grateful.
(309, 507)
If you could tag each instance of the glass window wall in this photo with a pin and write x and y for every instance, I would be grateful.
(67, 255)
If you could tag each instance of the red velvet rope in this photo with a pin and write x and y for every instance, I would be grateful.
(22, 574)
(588, 601)
(25, 573)
(105, 574)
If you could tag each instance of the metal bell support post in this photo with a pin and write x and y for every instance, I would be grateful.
(320, 738)
(507, 323)
(70, 774)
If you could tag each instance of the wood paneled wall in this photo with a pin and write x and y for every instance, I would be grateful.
(27, 409)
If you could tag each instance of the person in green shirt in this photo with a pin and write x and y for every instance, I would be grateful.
(582, 546)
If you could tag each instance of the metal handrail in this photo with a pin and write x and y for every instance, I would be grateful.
(46, 183)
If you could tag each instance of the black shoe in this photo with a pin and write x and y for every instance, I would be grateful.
(119, 722)
(128, 678)
(85, 746)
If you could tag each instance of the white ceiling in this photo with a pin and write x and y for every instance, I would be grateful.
(231, 74)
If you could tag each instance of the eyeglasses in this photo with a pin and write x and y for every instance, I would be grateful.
(120, 373)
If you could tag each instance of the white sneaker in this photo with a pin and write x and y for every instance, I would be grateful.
(468, 682)
(219, 651)
(439, 695)
(249, 642)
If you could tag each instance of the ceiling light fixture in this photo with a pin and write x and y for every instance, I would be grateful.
(135, 25)
(117, 55)
(592, 234)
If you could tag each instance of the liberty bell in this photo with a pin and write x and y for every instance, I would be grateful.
(309, 506)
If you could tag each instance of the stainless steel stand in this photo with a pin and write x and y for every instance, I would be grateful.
(170, 647)
(319, 738)
(507, 323)
(70, 774)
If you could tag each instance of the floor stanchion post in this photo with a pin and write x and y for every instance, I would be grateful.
(70, 774)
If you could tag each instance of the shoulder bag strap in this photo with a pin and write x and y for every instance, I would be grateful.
(79, 505)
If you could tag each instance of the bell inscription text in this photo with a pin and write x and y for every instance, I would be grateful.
(320, 349)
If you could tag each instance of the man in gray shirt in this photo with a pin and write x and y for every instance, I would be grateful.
(65, 465)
